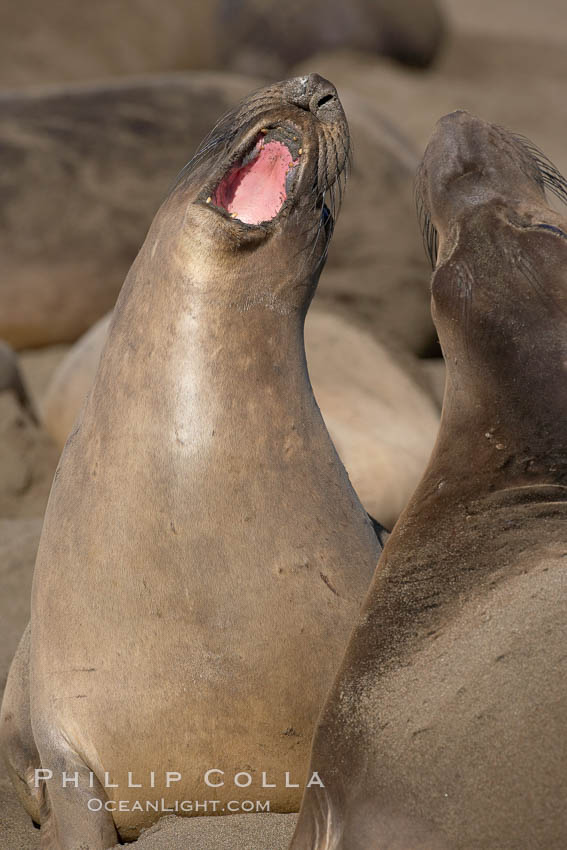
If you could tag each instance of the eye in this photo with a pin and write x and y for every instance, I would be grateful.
(552, 228)
(325, 214)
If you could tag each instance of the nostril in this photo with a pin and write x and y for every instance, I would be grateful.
(312, 93)
(322, 101)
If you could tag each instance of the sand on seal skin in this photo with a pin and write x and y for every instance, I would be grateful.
(235, 832)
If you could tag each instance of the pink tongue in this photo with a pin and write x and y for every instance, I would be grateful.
(255, 192)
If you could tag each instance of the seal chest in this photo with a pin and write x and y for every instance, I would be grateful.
(203, 554)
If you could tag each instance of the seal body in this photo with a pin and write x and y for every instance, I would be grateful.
(203, 555)
(446, 725)
(382, 422)
(72, 381)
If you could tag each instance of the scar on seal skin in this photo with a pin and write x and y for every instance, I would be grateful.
(447, 722)
(179, 621)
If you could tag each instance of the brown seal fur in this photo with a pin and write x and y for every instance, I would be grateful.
(382, 422)
(447, 723)
(72, 381)
(203, 555)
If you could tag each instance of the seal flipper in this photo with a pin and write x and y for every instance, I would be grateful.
(66, 813)
(94, 830)
(67, 820)
(381, 533)
(16, 737)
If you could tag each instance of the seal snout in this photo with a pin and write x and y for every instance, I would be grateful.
(315, 94)
(450, 174)
(461, 147)
(457, 139)
(457, 115)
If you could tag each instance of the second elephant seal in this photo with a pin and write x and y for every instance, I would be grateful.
(447, 723)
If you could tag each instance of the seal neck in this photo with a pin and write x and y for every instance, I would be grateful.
(211, 364)
(501, 433)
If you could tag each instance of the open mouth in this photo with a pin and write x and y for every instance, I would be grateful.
(255, 189)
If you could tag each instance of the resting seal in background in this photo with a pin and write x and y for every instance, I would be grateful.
(446, 725)
(203, 555)
(87, 166)
(272, 35)
(217, 34)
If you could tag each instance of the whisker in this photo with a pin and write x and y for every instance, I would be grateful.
(550, 176)
(428, 230)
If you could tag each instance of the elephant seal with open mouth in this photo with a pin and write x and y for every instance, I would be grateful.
(203, 556)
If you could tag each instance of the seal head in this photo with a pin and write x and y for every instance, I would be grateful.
(271, 169)
(470, 164)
